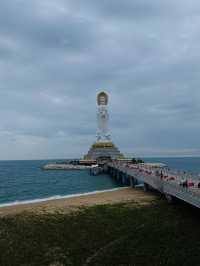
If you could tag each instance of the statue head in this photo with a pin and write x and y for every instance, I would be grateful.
(102, 98)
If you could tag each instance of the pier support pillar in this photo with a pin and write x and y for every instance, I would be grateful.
(146, 187)
(122, 178)
(131, 181)
(110, 171)
(114, 172)
(127, 180)
(135, 181)
(118, 175)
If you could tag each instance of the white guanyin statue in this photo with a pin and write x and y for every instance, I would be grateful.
(103, 148)
(102, 117)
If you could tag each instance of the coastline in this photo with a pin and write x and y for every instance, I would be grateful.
(57, 197)
(74, 202)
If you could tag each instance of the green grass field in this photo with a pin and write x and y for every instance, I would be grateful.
(119, 234)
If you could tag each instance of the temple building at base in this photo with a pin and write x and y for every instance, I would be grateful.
(103, 148)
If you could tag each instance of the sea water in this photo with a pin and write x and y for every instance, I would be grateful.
(189, 164)
(24, 181)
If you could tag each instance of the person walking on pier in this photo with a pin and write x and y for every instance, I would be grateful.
(161, 175)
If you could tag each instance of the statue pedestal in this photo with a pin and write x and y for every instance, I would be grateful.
(103, 150)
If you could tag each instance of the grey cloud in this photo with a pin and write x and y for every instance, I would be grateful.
(55, 57)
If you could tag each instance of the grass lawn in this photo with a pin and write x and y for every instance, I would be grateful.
(120, 234)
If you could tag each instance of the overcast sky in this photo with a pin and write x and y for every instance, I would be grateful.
(55, 56)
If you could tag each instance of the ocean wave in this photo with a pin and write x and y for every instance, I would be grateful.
(24, 202)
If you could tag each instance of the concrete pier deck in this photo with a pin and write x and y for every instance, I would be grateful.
(168, 183)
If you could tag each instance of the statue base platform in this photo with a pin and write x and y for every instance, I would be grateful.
(103, 150)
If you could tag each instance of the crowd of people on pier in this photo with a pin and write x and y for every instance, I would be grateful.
(183, 179)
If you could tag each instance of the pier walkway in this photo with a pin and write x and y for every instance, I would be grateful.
(172, 185)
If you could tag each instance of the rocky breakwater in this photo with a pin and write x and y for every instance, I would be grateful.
(56, 166)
